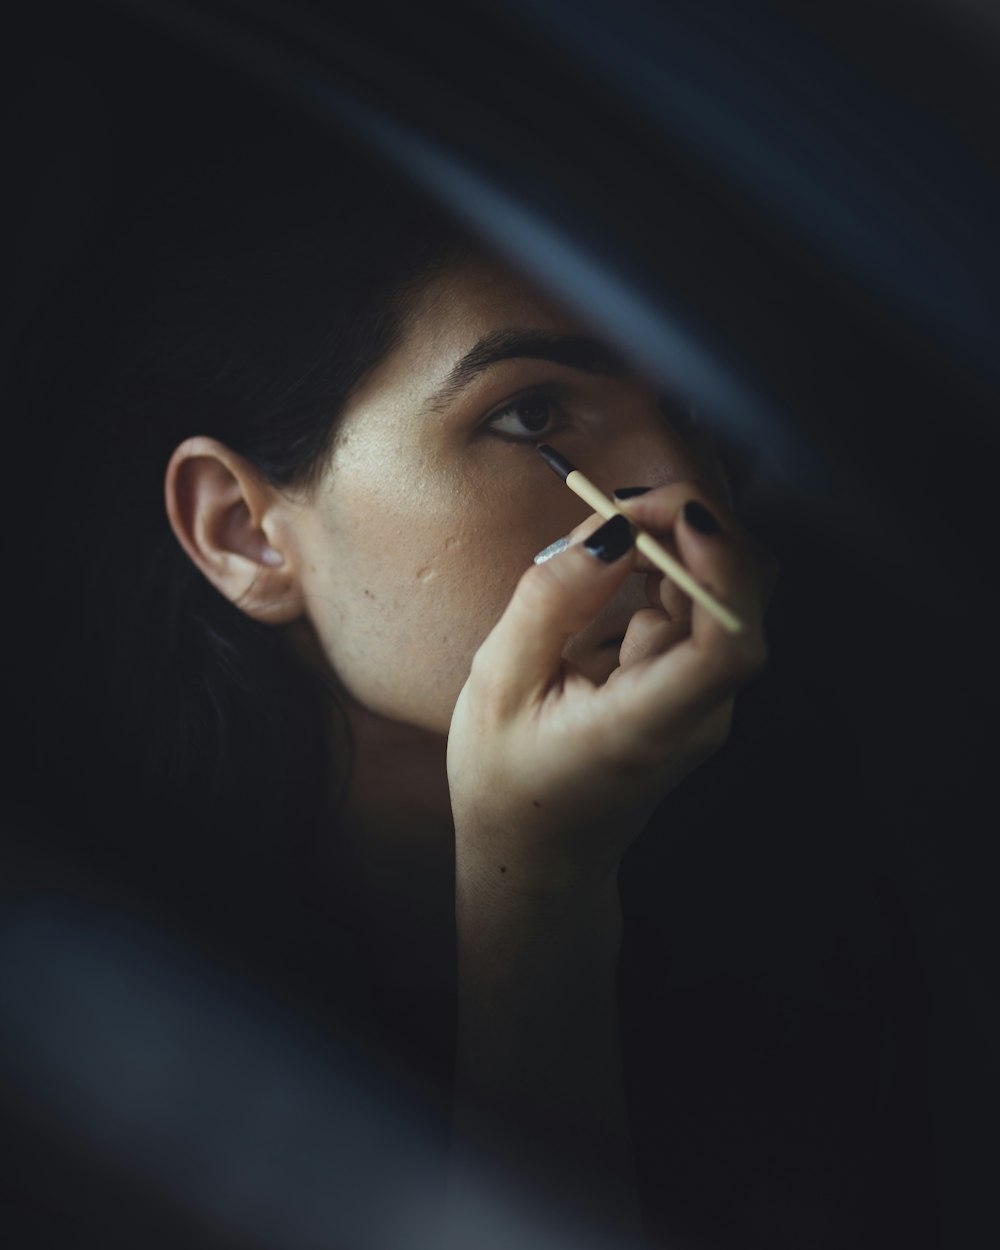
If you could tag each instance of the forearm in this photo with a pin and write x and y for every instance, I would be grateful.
(539, 1093)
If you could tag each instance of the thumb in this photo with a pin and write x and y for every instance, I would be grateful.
(552, 602)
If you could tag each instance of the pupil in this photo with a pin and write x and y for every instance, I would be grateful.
(538, 407)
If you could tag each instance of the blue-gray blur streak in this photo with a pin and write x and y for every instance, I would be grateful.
(230, 1112)
(226, 1105)
(803, 135)
(655, 337)
(598, 284)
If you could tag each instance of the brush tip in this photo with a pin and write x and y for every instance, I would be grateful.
(558, 464)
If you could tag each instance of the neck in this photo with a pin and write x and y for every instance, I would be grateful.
(399, 780)
(398, 786)
(397, 811)
(394, 850)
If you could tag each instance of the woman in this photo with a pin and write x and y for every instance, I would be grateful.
(390, 574)
(336, 691)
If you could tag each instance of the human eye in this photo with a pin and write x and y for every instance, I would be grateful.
(538, 413)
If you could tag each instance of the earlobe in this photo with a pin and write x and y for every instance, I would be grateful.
(229, 520)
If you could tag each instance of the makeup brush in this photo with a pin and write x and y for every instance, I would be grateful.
(648, 545)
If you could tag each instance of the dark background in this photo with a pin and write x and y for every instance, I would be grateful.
(819, 210)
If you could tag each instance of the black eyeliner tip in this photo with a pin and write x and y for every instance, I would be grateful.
(558, 464)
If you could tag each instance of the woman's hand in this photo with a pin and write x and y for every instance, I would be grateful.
(552, 776)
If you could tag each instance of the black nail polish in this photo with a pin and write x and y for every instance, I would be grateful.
(612, 540)
(700, 519)
(630, 492)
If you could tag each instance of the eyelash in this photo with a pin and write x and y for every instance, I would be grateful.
(550, 396)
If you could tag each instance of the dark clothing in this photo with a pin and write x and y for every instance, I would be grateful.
(774, 1020)
(774, 1025)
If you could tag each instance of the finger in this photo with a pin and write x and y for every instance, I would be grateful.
(661, 592)
(578, 534)
(650, 632)
(522, 655)
(722, 564)
(655, 698)
(657, 510)
(660, 512)
(659, 700)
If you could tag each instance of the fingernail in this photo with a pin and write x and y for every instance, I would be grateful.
(612, 540)
(630, 492)
(700, 519)
(552, 549)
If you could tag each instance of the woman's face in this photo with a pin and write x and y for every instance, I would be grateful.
(433, 504)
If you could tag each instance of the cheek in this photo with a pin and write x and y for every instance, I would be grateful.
(401, 601)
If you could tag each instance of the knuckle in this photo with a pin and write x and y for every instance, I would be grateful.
(555, 589)
(538, 586)
(739, 659)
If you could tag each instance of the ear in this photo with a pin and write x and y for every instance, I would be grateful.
(234, 526)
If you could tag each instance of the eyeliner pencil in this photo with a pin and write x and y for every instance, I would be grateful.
(648, 545)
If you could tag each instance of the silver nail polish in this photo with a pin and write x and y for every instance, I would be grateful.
(552, 549)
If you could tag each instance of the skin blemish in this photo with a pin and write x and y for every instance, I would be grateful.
(503, 867)
(536, 803)
(368, 593)
(428, 571)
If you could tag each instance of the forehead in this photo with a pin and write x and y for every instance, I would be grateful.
(465, 302)
(447, 318)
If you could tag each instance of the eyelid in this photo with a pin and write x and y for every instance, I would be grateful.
(558, 395)
(557, 391)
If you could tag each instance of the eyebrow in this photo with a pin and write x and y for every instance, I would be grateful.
(579, 351)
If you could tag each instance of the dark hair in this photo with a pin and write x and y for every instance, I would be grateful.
(244, 304)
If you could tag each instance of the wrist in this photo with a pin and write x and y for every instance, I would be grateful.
(534, 872)
(554, 894)
(562, 922)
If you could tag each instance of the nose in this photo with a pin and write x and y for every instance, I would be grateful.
(652, 452)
